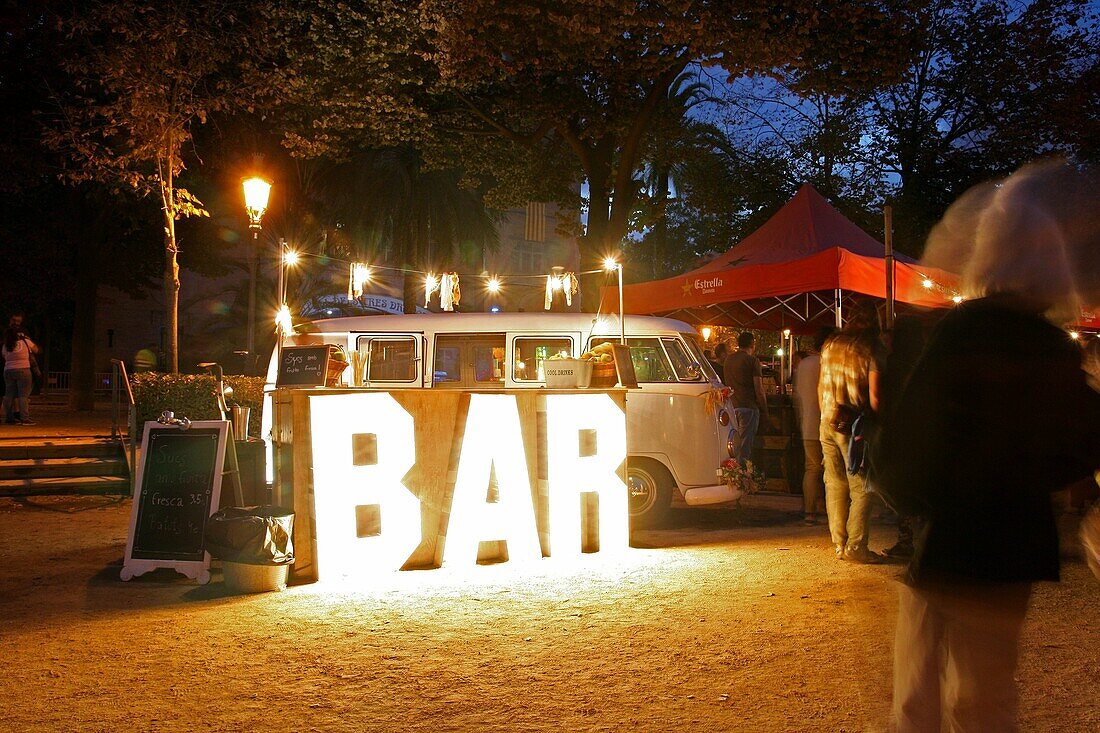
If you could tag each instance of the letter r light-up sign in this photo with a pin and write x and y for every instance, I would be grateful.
(368, 520)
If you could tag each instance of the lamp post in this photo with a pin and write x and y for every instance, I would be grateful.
(256, 193)
(610, 264)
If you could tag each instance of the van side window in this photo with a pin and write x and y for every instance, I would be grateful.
(466, 361)
(528, 355)
(392, 358)
(650, 362)
(680, 359)
(448, 364)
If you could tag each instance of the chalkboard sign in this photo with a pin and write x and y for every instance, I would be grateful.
(303, 366)
(624, 365)
(179, 479)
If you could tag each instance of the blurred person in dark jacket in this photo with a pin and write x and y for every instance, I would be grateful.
(905, 343)
(995, 417)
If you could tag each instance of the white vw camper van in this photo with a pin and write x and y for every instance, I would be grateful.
(674, 442)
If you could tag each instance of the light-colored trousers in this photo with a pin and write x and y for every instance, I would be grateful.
(955, 656)
(812, 486)
(846, 497)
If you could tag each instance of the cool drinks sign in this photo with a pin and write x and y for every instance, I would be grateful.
(365, 448)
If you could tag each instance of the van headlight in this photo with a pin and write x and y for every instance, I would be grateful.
(730, 447)
(723, 418)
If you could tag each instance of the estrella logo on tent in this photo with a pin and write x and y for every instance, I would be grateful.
(701, 286)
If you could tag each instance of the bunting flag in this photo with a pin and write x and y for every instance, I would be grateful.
(449, 293)
(565, 282)
(358, 276)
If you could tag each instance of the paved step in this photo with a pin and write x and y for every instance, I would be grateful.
(31, 448)
(36, 468)
(79, 485)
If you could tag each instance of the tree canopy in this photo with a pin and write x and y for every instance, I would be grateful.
(563, 90)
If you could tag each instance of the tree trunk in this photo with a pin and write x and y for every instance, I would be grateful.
(410, 293)
(171, 300)
(82, 369)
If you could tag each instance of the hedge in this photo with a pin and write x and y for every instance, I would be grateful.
(192, 396)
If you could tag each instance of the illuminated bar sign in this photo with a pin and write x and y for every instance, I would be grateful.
(420, 478)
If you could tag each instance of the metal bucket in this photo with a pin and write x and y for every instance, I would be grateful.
(239, 415)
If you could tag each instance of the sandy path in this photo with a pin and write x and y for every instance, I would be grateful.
(726, 622)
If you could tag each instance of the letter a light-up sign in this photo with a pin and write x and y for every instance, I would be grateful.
(511, 517)
(586, 437)
(363, 445)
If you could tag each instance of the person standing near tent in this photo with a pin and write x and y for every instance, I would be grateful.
(742, 373)
(806, 378)
(850, 367)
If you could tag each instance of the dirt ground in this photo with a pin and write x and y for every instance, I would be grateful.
(725, 621)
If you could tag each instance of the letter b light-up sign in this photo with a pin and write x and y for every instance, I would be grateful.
(363, 445)
(367, 519)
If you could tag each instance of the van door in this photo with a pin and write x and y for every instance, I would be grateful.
(469, 361)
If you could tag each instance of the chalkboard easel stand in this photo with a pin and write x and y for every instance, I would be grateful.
(233, 471)
(178, 487)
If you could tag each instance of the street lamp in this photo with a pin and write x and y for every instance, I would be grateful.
(610, 264)
(256, 193)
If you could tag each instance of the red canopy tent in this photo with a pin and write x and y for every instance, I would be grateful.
(796, 271)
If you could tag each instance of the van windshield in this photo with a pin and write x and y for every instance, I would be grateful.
(651, 364)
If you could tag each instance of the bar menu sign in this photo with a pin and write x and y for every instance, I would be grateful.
(303, 366)
(178, 487)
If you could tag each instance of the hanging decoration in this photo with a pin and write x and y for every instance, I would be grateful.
(563, 281)
(449, 292)
(358, 276)
(361, 274)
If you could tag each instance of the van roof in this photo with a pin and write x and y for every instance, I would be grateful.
(485, 322)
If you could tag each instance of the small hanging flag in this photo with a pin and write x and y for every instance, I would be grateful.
(358, 276)
(450, 293)
(570, 286)
(563, 281)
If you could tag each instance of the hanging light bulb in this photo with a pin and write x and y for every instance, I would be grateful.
(927, 283)
(283, 322)
(493, 285)
(291, 257)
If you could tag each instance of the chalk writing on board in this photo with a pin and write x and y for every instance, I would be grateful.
(175, 495)
(303, 365)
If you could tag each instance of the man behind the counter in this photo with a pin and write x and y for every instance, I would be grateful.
(741, 372)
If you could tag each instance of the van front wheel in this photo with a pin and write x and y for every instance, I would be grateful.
(650, 487)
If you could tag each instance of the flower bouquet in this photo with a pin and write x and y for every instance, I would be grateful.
(716, 397)
(743, 479)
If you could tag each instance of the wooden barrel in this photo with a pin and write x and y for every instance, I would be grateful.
(604, 375)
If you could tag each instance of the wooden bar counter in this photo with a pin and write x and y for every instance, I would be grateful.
(366, 428)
